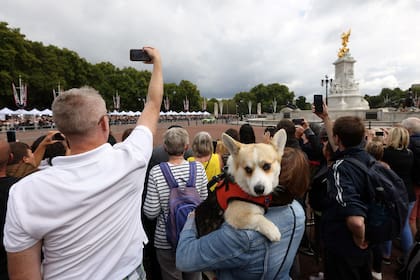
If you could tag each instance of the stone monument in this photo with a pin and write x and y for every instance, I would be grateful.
(344, 92)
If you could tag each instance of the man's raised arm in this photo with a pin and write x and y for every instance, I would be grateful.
(150, 114)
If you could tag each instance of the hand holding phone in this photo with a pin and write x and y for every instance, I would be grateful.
(139, 55)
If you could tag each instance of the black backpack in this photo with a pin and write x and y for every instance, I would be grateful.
(387, 201)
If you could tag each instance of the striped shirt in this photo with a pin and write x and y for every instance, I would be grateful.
(156, 204)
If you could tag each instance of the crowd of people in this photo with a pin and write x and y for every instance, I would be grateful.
(77, 206)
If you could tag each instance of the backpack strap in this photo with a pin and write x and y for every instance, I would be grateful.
(167, 173)
(193, 174)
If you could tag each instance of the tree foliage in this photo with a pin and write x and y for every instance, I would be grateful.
(264, 94)
(387, 98)
(43, 68)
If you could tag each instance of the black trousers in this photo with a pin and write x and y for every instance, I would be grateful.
(347, 267)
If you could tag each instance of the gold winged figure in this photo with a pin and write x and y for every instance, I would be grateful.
(344, 40)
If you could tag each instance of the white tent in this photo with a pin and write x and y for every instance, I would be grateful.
(46, 112)
(6, 111)
(34, 112)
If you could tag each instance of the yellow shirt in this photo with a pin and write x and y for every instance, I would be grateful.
(212, 166)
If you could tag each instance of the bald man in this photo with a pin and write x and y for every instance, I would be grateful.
(5, 183)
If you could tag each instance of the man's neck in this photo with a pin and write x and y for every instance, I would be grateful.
(3, 172)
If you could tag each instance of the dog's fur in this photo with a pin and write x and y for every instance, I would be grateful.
(256, 169)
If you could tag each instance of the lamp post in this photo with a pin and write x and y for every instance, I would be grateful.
(326, 81)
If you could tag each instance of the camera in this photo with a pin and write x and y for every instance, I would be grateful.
(139, 55)
(318, 103)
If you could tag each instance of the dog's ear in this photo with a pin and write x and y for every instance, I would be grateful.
(230, 144)
(279, 141)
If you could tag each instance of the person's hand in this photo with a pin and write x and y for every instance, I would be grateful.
(153, 53)
(48, 140)
(360, 242)
(322, 115)
(299, 131)
(305, 124)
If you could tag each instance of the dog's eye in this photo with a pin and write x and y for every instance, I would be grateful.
(266, 166)
(248, 170)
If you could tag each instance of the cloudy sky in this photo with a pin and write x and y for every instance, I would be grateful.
(228, 46)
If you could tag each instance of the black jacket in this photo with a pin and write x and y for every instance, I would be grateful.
(401, 162)
(414, 146)
(347, 196)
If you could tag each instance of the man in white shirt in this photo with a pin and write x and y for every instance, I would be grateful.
(84, 211)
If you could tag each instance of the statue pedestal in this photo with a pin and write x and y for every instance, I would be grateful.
(344, 92)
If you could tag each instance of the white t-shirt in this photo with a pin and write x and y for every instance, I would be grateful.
(87, 210)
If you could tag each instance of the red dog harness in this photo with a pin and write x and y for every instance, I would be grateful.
(227, 191)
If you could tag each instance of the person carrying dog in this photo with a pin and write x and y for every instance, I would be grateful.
(247, 254)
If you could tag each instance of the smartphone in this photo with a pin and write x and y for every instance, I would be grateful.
(379, 133)
(139, 55)
(297, 121)
(318, 103)
(58, 136)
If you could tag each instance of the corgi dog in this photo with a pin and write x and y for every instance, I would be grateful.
(255, 169)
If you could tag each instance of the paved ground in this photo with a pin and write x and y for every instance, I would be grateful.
(309, 265)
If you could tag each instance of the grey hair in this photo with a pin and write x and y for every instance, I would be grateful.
(175, 140)
(78, 110)
(412, 124)
(202, 144)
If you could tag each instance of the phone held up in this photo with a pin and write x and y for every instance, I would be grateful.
(139, 55)
(298, 121)
(318, 103)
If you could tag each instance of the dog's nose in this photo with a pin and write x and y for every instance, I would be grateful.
(259, 189)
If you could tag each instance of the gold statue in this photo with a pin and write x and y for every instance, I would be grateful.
(344, 40)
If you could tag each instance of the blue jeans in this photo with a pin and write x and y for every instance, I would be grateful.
(406, 236)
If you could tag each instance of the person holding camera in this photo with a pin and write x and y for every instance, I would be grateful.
(85, 210)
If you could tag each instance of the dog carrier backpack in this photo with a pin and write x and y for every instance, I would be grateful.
(181, 202)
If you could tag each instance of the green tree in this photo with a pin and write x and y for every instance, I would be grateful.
(302, 104)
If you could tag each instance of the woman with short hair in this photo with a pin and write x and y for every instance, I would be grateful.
(202, 147)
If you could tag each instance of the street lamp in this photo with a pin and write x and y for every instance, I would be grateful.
(326, 81)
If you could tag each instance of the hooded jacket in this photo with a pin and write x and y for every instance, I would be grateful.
(347, 196)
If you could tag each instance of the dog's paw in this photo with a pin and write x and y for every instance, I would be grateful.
(273, 235)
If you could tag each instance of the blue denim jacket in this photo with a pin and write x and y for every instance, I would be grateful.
(243, 254)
